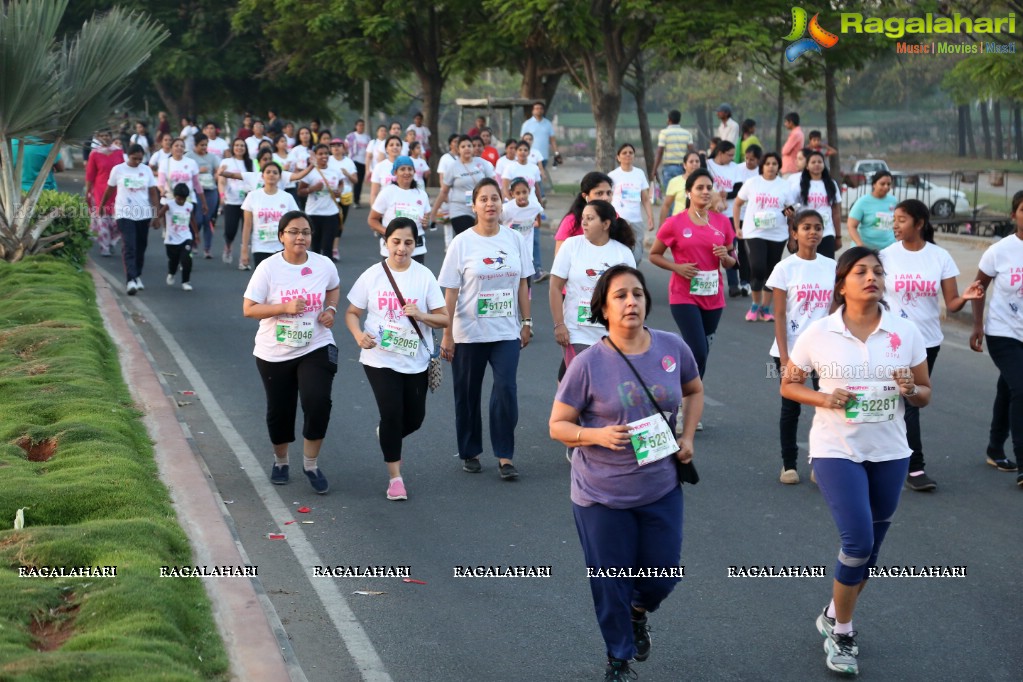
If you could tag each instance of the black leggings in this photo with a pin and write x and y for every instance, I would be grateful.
(232, 219)
(259, 257)
(788, 423)
(360, 174)
(310, 377)
(180, 253)
(916, 460)
(325, 228)
(462, 223)
(401, 399)
(827, 246)
(763, 256)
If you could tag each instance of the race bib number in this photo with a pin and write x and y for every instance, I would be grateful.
(206, 181)
(395, 339)
(582, 317)
(294, 332)
(705, 283)
(872, 403)
(765, 220)
(408, 213)
(133, 183)
(179, 221)
(468, 197)
(498, 303)
(518, 227)
(630, 195)
(885, 221)
(652, 439)
(266, 233)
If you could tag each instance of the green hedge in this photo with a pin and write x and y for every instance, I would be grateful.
(97, 501)
(74, 218)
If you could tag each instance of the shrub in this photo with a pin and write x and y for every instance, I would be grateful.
(73, 218)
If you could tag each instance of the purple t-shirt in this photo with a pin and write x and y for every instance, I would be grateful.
(604, 390)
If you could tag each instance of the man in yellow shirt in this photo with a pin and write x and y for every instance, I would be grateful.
(672, 144)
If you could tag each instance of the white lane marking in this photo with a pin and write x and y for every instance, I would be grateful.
(354, 636)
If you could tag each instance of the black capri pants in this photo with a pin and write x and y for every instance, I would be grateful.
(325, 229)
(763, 256)
(232, 219)
(401, 399)
(309, 377)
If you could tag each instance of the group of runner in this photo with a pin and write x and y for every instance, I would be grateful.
(865, 328)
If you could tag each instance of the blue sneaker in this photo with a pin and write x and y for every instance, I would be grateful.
(318, 481)
(279, 474)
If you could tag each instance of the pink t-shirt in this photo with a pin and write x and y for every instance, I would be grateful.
(788, 152)
(691, 243)
(567, 229)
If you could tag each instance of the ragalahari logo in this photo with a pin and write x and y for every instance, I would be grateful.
(818, 36)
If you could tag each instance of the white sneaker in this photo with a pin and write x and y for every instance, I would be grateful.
(186, 286)
(226, 257)
(699, 426)
(131, 287)
(242, 267)
(138, 284)
(170, 280)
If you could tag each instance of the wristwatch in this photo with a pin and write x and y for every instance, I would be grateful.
(527, 321)
(915, 391)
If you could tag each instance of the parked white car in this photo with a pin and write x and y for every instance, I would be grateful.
(943, 201)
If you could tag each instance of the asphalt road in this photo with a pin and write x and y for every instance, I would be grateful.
(712, 628)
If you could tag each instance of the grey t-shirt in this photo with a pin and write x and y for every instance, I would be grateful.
(462, 178)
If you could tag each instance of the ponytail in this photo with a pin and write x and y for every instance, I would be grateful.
(917, 210)
(620, 230)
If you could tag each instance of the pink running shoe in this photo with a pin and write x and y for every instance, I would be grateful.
(396, 490)
(767, 317)
(751, 316)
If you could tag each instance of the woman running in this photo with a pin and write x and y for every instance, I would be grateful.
(232, 193)
(484, 275)
(872, 217)
(521, 168)
(179, 169)
(295, 351)
(802, 286)
(381, 175)
(102, 161)
(594, 185)
(917, 273)
(322, 191)
(459, 185)
(403, 301)
(858, 446)
(626, 497)
(263, 210)
(675, 193)
(404, 198)
(208, 165)
(818, 191)
(631, 197)
(135, 203)
(1004, 330)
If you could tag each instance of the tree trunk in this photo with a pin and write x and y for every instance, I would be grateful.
(170, 103)
(996, 109)
(831, 117)
(432, 85)
(1017, 119)
(779, 124)
(606, 107)
(638, 90)
(985, 125)
(971, 139)
(540, 81)
(702, 126)
(964, 112)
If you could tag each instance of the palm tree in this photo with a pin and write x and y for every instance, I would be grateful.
(56, 90)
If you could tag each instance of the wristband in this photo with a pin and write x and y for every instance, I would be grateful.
(332, 309)
(527, 322)
(559, 324)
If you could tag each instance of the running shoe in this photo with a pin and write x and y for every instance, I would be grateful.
(242, 267)
(170, 280)
(138, 284)
(207, 255)
(185, 286)
(472, 466)
(226, 256)
(789, 476)
(1002, 464)
(641, 636)
(335, 256)
(131, 287)
(766, 317)
(699, 426)
(618, 670)
(318, 481)
(396, 490)
(752, 315)
(105, 253)
(746, 289)
(541, 275)
(1019, 480)
(509, 472)
(733, 292)
(826, 626)
(279, 474)
(920, 483)
(842, 652)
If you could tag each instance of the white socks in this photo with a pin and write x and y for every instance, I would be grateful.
(281, 461)
(309, 464)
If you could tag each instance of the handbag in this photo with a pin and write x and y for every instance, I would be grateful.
(435, 371)
(686, 471)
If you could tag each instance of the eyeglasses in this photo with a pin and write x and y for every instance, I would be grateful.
(295, 233)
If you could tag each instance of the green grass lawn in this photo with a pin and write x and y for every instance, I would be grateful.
(93, 499)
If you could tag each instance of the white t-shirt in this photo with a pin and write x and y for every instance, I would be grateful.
(725, 178)
(220, 148)
(298, 157)
(809, 286)
(373, 293)
(253, 180)
(177, 223)
(252, 142)
(422, 135)
(527, 171)
(381, 174)
(499, 169)
(234, 190)
(421, 168)
(843, 361)
(188, 135)
(184, 171)
(581, 264)
(284, 164)
(913, 286)
(345, 164)
(322, 201)
(626, 197)
(535, 158)
(140, 140)
(444, 165)
(1003, 262)
(462, 179)
(521, 218)
(132, 199)
(765, 201)
(267, 211)
(275, 281)
(487, 272)
(394, 202)
(817, 199)
(157, 158)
